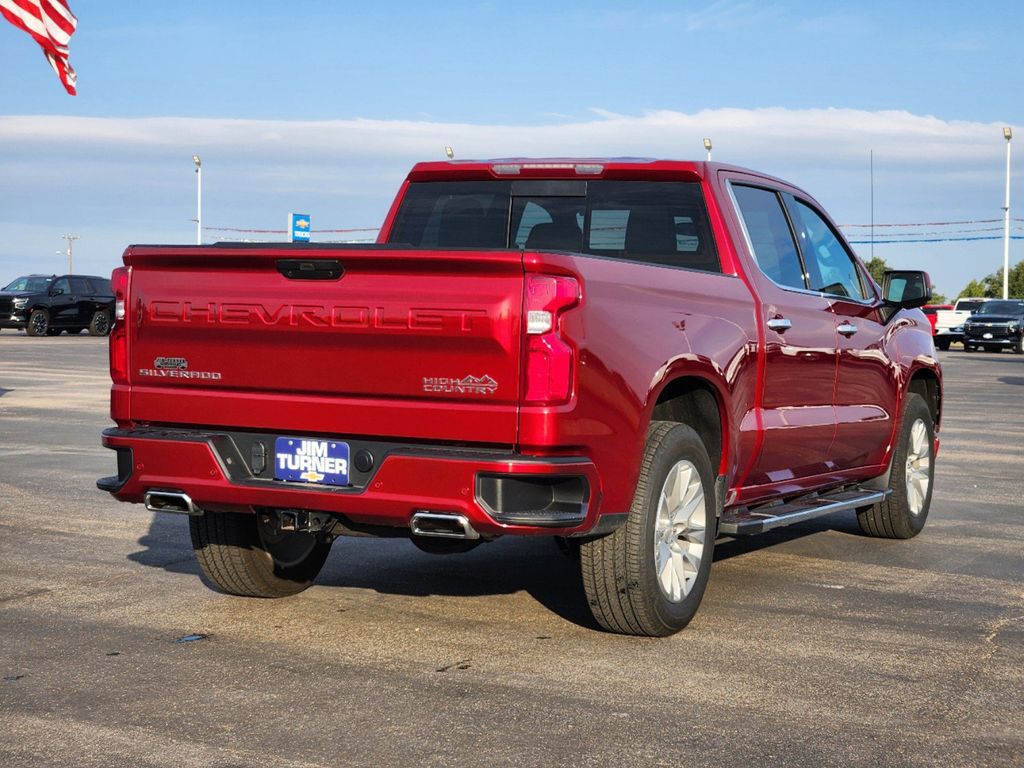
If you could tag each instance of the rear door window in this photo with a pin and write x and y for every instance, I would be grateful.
(80, 286)
(770, 235)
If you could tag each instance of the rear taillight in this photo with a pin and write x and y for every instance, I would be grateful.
(119, 331)
(549, 357)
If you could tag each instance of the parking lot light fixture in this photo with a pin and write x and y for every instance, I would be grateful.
(449, 152)
(70, 252)
(707, 146)
(1008, 135)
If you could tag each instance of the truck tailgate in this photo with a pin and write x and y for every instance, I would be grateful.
(406, 343)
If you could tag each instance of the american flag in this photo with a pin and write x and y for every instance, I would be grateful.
(51, 24)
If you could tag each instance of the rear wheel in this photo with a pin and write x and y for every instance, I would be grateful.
(968, 347)
(246, 554)
(100, 323)
(942, 344)
(902, 515)
(38, 323)
(648, 577)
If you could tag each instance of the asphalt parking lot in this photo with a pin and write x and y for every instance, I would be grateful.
(814, 646)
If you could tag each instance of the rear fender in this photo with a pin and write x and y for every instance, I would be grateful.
(701, 372)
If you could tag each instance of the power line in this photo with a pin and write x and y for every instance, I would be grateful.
(285, 231)
(935, 240)
(930, 223)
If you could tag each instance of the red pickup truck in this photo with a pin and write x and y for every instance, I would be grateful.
(634, 356)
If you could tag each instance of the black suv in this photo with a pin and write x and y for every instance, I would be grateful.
(997, 324)
(45, 305)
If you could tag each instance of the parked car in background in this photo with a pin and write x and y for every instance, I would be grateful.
(997, 325)
(948, 323)
(931, 311)
(45, 305)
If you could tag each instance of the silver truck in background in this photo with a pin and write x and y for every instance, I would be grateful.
(949, 323)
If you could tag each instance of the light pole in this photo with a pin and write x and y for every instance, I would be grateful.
(707, 146)
(71, 261)
(199, 199)
(1007, 134)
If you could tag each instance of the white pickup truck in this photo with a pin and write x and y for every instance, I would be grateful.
(949, 323)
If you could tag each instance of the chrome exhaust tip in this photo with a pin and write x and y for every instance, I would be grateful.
(178, 502)
(443, 525)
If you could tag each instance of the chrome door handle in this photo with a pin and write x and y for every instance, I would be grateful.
(847, 329)
(780, 324)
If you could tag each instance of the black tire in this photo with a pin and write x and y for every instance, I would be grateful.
(38, 323)
(239, 554)
(100, 323)
(894, 517)
(968, 347)
(942, 345)
(619, 570)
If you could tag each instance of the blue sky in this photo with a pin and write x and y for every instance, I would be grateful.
(322, 106)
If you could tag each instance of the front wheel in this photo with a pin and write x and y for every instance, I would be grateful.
(245, 554)
(648, 577)
(942, 344)
(902, 515)
(38, 323)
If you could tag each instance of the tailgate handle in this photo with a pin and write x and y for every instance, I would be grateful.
(310, 269)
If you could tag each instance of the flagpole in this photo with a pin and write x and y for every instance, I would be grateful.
(872, 203)
(199, 199)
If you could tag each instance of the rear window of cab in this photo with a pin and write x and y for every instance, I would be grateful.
(653, 222)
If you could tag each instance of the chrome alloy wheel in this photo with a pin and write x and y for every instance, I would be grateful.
(679, 531)
(919, 459)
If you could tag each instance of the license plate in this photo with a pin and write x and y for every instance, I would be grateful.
(300, 460)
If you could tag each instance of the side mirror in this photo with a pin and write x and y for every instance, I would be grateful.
(906, 288)
(56, 291)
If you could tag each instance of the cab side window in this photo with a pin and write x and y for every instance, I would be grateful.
(831, 268)
(771, 237)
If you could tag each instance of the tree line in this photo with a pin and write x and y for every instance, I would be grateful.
(989, 287)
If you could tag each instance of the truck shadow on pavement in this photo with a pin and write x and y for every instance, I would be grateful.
(502, 567)
(396, 566)
(167, 545)
(839, 522)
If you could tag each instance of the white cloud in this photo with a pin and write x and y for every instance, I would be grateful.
(728, 14)
(125, 180)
